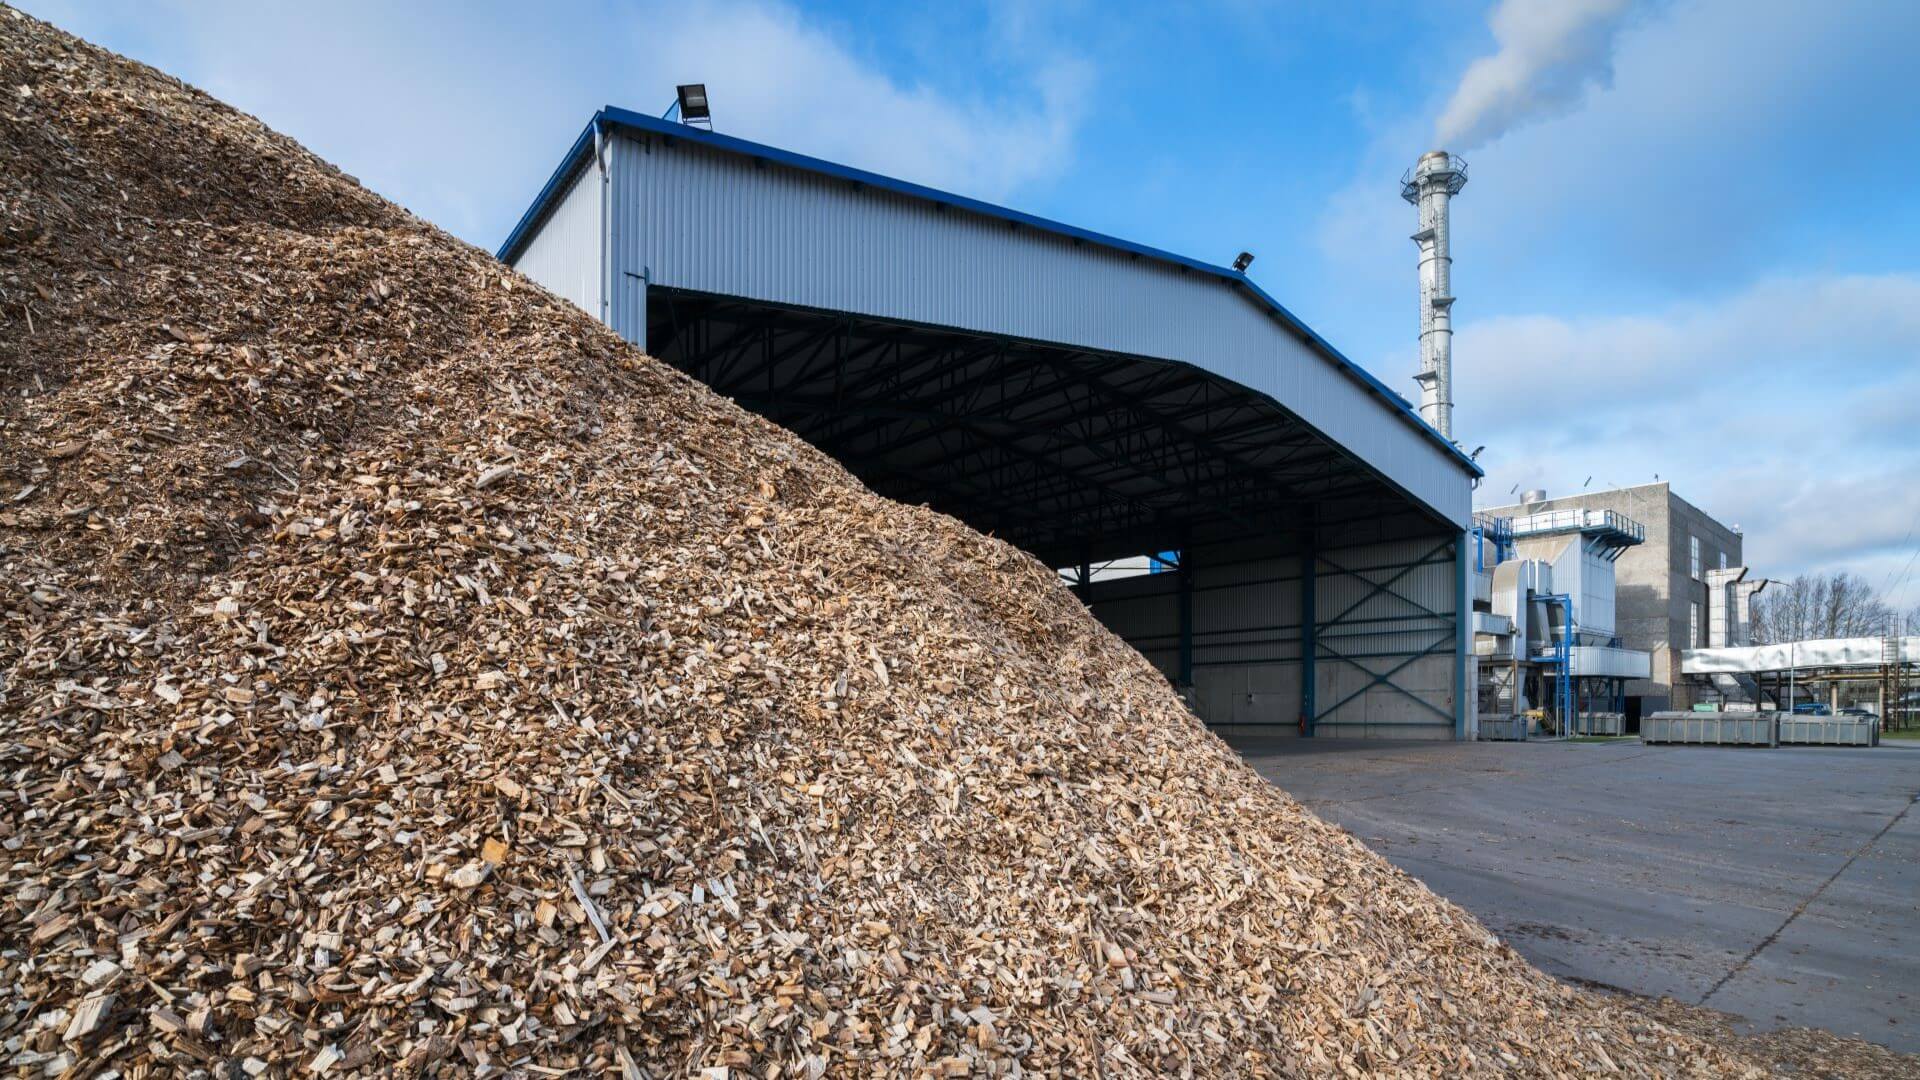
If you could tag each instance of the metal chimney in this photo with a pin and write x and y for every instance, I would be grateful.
(1436, 178)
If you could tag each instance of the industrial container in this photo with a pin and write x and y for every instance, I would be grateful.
(1599, 723)
(1710, 729)
(1829, 731)
(1504, 728)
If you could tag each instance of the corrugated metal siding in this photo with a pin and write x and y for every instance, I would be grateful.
(692, 218)
(564, 254)
(1248, 613)
(1138, 608)
(1379, 631)
(1246, 646)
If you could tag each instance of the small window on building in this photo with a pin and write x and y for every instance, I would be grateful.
(1723, 560)
(1693, 625)
(1693, 545)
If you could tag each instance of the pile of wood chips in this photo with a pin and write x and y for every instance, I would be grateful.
(400, 673)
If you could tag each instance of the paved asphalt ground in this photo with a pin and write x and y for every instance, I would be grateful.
(1781, 885)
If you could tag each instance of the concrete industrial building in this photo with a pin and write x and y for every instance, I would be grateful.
(1661, 585)
(1082, 396)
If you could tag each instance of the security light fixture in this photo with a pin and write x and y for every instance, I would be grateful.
(693, 105)
(1244, 260)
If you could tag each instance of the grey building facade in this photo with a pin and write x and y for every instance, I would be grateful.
(1660, 585)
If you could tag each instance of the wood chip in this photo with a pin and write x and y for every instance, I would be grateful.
(493, 475)
(88, 1017)
(793, 779)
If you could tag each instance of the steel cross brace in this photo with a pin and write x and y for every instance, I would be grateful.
(1385, 678)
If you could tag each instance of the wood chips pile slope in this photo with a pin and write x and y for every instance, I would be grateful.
(398, 672)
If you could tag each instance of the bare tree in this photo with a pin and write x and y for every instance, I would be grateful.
(1822, 606)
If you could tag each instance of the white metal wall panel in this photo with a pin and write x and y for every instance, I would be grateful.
(564, 254)
(1145, 611)
(1379, 631)
(1246, 645)
(1382, 712)
(1137, 614)
(1604, 662)
(1596, 593)
(694, 218)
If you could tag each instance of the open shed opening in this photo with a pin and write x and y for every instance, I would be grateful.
(1084, 457)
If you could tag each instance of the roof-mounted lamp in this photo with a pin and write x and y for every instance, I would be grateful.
(694, 110)
(1242, 261)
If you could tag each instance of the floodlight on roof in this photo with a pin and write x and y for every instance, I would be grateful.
(1242, 261)
(694, 109)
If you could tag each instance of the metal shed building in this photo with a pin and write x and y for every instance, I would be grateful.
(1079, 395)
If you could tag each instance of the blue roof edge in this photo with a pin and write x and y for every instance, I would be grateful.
(616, 117)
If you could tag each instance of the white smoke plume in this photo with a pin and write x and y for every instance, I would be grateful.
(1550, 52)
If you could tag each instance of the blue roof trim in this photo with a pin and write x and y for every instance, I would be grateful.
(575, 157)
(615, 117)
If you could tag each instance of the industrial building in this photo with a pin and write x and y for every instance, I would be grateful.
(1661, 585)
(1549, 654)
(1079, 395)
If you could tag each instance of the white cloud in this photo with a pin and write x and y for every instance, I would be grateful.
(1769, 335)
(778, 79)
(1787, 408)
(1635, 300)
(1715, 156)
(459, 112)
(1550, 52)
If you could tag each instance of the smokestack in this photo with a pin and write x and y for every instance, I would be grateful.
(1437, 177)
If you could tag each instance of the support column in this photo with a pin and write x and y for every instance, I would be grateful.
(1309, 644)
(1185, 572)
(1465, 718)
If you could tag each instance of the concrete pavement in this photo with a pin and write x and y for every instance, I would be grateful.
(1782, 885)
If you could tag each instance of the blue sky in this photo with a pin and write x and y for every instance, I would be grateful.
(1690, 246)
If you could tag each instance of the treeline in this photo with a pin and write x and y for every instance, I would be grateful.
(1834, 605)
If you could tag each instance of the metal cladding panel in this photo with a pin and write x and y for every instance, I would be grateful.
(1145, 612)
(564, 254)
(690, 217)
(1256, 616)
(1404, 631)
(1247, 637)
(1254, 606)
(1596, 593)
(1602, 661)
(1430, 585)
(1150, 619)
(1262, 695)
